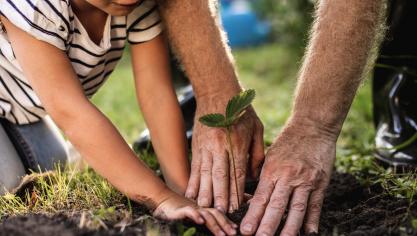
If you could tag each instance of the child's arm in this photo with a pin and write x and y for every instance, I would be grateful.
(161, 110)
(52, 77)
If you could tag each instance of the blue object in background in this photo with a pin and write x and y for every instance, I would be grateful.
(242, 25)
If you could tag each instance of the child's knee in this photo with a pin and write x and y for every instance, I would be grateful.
(11, 167)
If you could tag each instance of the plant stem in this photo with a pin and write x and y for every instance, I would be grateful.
(229, 140)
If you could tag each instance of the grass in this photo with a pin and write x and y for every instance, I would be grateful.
(271, 70)
(63, 190)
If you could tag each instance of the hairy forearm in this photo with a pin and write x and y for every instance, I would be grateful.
(201, 46)
(338, 55)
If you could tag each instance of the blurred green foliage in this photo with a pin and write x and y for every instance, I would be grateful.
(290, 19)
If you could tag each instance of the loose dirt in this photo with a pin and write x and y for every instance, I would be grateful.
(349, 209)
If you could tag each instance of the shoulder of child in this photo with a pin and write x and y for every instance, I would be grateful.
(46, 20)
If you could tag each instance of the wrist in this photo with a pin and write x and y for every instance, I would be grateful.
(209, 87)
(152, 201)
(315, 127)
(215, 101)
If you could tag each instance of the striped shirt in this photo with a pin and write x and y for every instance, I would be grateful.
(54, 22)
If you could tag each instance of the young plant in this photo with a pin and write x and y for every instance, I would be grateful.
(236, 108)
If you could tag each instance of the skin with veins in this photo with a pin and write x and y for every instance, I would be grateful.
(340, 48)
(187, 21)
(198, 40)
(343, 44)
(298, 165)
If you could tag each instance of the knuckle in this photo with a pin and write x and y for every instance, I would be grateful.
(306, 187)
(217, 134)
(203, 203)
(298, 206)
(220, 173)
(203, 194)
(315, 207)
(195, 165)
(267, 174)
(291, 171)
(260, 200)
(317, 174)
(205, 170)
(277, 205)
(219, 199)
(240, 172)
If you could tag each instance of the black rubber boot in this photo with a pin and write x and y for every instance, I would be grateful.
(395, 89)
(188, 106)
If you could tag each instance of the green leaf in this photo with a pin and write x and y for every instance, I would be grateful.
(190, 232)
(213, 120)
(234, 119)
(239, 103)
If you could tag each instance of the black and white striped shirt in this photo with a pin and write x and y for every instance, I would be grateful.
(54, 22)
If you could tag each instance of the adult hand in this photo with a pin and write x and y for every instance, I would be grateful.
(212, 177)
(295, 176)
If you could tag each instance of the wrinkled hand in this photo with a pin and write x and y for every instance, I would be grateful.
(176, 208)
(295, 176)
(212, 176)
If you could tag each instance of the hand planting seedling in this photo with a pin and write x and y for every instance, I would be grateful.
(236, 108)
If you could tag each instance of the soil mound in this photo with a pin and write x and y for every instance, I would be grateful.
(349, 209)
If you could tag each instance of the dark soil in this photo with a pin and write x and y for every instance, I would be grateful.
(349, 209)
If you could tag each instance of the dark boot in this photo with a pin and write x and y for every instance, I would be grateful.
(395, 89)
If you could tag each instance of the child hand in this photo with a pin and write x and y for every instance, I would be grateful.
(178, 207)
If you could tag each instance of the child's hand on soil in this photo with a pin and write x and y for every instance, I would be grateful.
(177, 207)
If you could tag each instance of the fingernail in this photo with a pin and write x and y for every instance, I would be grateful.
(232, 231)
(247, 228)
(222, 233)
(200, 220)
(235, 226)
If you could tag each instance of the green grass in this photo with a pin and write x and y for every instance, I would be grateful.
(271, 70)
(62, 190)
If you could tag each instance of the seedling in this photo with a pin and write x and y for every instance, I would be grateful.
(236, 108)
